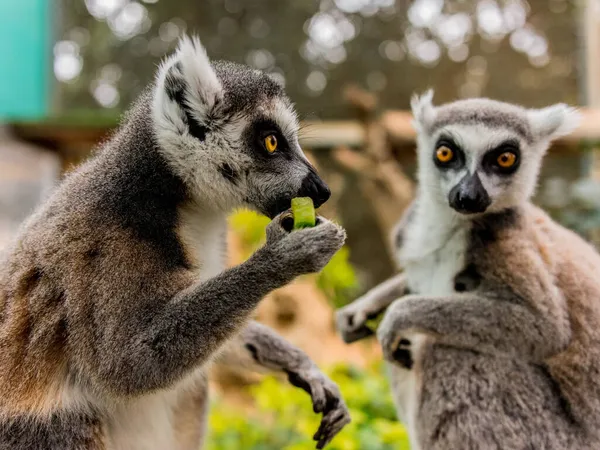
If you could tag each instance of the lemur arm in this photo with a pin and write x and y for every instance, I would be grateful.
(153, 345)
(351, 319)
(476, 322)
(259, 347)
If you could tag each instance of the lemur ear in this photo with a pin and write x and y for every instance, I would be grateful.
(423, 110)
(554, 121)
(203, 88)
(277, 78)
(187, 90)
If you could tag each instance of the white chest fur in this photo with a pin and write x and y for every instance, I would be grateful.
(434, 252)
(149, 422)
(203, 235)
(143, 424)
(433, 273)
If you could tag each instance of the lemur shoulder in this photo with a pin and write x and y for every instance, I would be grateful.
(493, 327)
(115, 298)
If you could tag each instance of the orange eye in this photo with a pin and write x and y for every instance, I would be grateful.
(271, 143)
(506, 160)
(444, 154)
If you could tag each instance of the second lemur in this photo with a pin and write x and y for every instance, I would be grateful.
(493, 327)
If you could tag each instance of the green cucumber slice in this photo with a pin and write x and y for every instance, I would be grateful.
(303, 210)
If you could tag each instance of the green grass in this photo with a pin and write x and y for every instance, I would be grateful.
(283, 419)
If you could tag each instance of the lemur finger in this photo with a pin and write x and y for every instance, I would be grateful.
(351, 336)
(314, 389)
(351, 325)
(328, 418)
(319, 397)
(280, 226)
(331, 425)
(332, 432)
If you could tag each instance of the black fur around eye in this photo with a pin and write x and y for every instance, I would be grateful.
(448, 155)
(502, 160)
(266, 139)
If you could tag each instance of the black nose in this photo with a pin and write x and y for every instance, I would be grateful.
(315, 188)
(469, 196)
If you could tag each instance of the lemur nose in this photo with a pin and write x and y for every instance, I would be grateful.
(469, 196)
(315, 188)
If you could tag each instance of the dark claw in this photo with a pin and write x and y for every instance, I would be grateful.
(287, 222)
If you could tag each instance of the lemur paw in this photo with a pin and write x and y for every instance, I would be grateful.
(351, 320)
(326, 399)
(307, 250)
(395, 338)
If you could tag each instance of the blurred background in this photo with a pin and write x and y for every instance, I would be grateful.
(72, 67)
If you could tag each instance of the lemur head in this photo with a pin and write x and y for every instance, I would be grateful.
(480, 155)
(231, 133)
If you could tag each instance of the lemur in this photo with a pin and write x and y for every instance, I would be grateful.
(115, 298)
(492, 330)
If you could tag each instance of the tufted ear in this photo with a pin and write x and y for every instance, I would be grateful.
(423, 111)
(203, 86)
(554, 121)
(187, 90)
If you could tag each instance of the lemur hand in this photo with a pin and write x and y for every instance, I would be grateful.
(351, 320)
(307, 250)
(396, 331)
(326, 399)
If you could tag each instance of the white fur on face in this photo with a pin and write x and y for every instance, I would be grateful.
(285, 116)
(476, 138)
(476, 141)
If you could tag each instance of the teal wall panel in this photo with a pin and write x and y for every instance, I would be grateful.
(24, 58)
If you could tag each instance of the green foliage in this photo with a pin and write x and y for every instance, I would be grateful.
(338, 280)
(284, 420)
(250, 227)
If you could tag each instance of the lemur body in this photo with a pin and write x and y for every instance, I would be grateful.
(492, 328)
(114, 297)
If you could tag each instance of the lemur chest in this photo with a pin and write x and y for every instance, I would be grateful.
(433, 264)
(437, 272)
(203, 237)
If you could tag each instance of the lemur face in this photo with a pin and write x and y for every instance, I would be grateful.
(479, 155)
(231, 133)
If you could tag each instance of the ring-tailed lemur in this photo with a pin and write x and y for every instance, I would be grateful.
(495, 341)
(115, 298)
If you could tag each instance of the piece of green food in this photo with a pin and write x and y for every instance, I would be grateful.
(303, 210)
(373, 324)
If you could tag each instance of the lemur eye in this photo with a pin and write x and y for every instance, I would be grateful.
(271, 143)
(506, 160)
(444, 154)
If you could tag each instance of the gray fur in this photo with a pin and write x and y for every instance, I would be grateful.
(497, 345)
(486, 112)
(114, 296)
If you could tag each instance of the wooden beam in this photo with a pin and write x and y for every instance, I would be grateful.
(332, 134)
(314, 135)
(592, 52)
